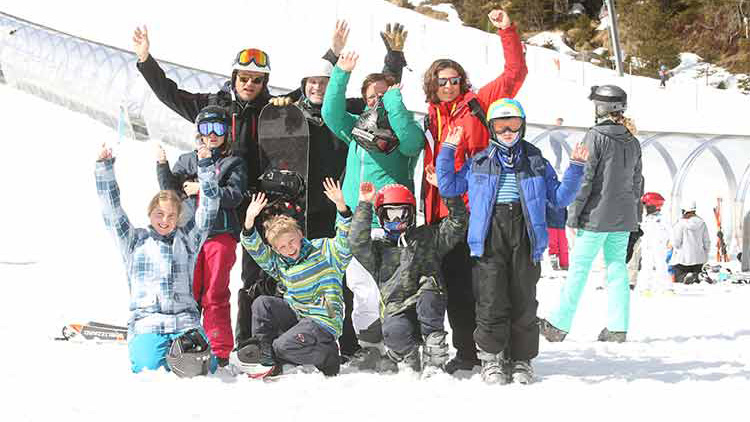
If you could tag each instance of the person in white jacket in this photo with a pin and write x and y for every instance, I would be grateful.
(692, 244)
(654, 277)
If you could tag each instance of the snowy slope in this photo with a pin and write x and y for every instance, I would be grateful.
(296, 31)
(688, 354)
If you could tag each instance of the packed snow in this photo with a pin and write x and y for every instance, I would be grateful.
(687, 355)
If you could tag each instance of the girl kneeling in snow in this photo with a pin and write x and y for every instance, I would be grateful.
(164, 326)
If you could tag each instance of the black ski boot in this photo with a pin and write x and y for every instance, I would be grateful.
(522, 372)
(613, 336)
(494, 368)
(550, 332)
(459, 363)
(256, 358)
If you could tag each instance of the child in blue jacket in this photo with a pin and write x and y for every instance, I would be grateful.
(509, 185)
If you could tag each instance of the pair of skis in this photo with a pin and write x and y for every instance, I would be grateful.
(721, 246)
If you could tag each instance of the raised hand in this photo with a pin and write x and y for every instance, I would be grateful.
(105, 153)
(395, 87)
(348, 61)
(161, 155)
(333, 192)
(257, 203)
(580, 153)
(191, 188)
(499, 18)
(367, 192)
(430, 176)
(340, 34)
(141, 43)
(394, 37)
(454, 135)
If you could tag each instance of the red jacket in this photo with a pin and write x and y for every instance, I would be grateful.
(475, 136)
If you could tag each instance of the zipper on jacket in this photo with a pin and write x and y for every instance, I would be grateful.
(527, 220)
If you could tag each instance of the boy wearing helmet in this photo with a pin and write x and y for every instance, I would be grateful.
(406, 266)
(509, 184)
(654, 276)
(218, 254)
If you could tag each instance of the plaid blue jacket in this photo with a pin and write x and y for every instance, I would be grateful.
(159, 268)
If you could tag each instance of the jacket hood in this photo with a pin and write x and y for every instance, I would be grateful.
(613, 130)
(694, 223)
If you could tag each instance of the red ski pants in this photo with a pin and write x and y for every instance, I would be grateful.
(558, 245)
(211, 291)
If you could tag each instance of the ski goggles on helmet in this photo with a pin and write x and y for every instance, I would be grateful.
(453, 81)
(217, 128)
(252, 55)
(508, 124)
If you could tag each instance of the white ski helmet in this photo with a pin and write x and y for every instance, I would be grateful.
(688, 205)
(253, 60)
(319, 67)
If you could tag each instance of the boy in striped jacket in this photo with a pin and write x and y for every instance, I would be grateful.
(304, 326)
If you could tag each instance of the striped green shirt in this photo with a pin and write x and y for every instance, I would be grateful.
(314, 281)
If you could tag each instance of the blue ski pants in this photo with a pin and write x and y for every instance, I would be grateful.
(587, 246)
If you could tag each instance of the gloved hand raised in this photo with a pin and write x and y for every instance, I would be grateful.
(394, 37)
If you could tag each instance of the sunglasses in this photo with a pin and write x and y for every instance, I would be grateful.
(252, 55)
(454, 81)
(512, 124)
(245, 79)
(206, 128)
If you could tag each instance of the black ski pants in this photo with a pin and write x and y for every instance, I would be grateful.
(404, 331)
(457, 272)
(680, 271)
(301, 342)
(505, 278)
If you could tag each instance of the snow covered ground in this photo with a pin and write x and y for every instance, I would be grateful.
(688, 354)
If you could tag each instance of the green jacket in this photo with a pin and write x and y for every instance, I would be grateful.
(375, 167)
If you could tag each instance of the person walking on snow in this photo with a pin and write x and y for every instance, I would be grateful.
(509, 184)
(604, 213)
(451, 103)
(654, 276)
(303, 327)
(164, 327)
(218, 253)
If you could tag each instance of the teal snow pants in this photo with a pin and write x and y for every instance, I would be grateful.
(586, 247)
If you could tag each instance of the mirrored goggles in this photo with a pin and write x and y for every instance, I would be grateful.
(396, 213)
(454, 81)
(510, 124)
(206, 128)
(252, 55)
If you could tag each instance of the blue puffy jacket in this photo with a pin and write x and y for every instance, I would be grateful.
(537, 181)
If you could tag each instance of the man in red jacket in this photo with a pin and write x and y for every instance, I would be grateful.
(451, 104)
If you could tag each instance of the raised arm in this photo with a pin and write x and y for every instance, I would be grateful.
(199, 228)
(561, 194)
(338, 249)
(589, 173)
(510, 81)
(408, 131)
(335, 116)
(184, 103)
(108, 192)
(360, 236)
(449, 182)
(394, 38)
(251, 240)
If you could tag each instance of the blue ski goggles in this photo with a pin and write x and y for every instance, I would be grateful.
(218, 128)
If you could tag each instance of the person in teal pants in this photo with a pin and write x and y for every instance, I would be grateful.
(605, 211)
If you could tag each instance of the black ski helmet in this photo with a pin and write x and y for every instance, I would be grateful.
(212, 113)
(189, 355)
(608, 99)
(373, 132)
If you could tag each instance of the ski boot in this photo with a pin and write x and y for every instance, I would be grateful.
(494, 368)
(522, 372)
(613, 336)
(555, 261)
(434, 353)
(372, 357)
(410, 359)
(256, 359)
(460, 363)
(550, 332)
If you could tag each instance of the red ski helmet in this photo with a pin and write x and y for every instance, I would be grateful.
(394, 195)
(652, 199)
